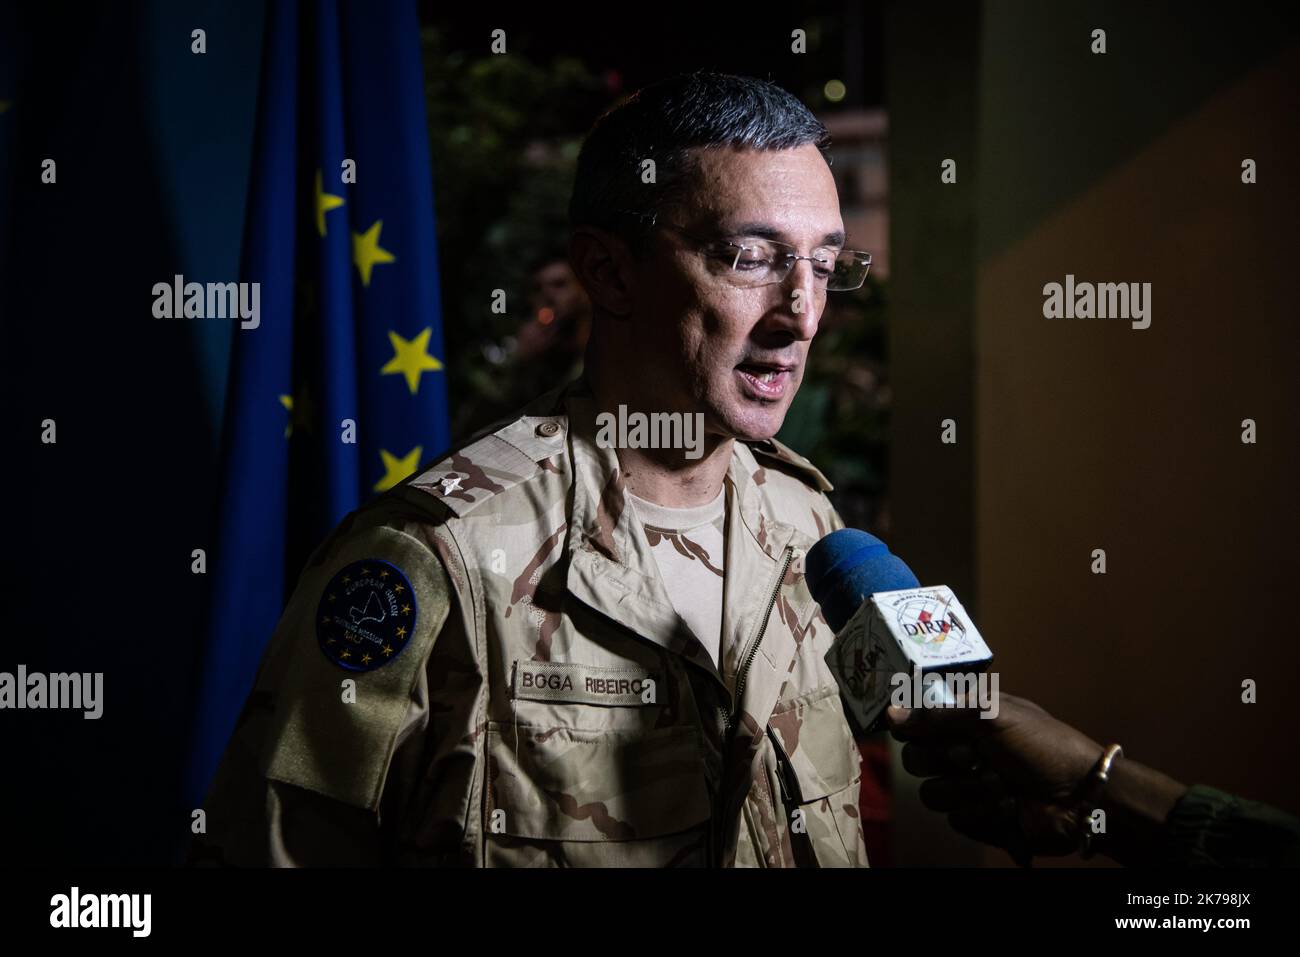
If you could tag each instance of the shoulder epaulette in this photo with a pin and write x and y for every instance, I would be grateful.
(771, 450)
(490, 465)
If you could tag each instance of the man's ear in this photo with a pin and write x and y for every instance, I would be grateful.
(605, 267)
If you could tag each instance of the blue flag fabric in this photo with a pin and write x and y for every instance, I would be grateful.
(338, 393)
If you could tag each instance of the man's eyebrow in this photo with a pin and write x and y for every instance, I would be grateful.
(767, 231)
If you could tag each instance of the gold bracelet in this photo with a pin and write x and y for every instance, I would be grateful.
(1097, 779)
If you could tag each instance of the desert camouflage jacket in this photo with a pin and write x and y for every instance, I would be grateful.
(483, 668)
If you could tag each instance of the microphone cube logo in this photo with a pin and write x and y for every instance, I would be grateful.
(909, 632)
(932, 620)
(931, 627)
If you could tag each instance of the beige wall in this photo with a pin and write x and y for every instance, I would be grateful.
(1084, 434)
(1091, 434)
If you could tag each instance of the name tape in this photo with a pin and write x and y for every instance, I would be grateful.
(583, 684)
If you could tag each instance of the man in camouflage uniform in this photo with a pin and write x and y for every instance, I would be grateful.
(485, 667)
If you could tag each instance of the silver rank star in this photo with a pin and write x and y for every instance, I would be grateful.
(450, 484)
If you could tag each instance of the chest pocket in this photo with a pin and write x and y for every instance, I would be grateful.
(822, 770)
(569, 797)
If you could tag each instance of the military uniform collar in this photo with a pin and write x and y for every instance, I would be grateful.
(610, 528)
(612, 567)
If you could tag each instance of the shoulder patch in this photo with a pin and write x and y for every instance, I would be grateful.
(773, 451)
(320, 736)
(366, 615)
(494, 463)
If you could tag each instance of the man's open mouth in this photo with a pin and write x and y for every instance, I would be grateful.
(763, 380)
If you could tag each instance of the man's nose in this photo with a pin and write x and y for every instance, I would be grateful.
(806, 298)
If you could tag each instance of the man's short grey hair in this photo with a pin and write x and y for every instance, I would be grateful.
(664, 122)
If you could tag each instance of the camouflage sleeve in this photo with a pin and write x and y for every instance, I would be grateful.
(340, 698)
(1212, 828)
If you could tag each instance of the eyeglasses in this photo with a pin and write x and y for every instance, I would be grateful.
(763, 262)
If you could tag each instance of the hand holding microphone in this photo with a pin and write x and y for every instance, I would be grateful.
(1004, 770)
(1018, 781)
(1029, 783)
(893, 636)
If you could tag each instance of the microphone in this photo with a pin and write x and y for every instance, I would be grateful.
(894, 638)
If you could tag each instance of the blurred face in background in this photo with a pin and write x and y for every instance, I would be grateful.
(556, 288)
(561, 313)
(736, 353)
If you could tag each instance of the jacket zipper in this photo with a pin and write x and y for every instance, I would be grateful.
(746, 659)
(729, 718)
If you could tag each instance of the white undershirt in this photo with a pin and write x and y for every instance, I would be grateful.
(689, 545)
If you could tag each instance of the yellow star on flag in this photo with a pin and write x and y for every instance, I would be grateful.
(300, 409)
(396, 469)
(410, 358)
(287, 402)
(324, 203)
(366, 251)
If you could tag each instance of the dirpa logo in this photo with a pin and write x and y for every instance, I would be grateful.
(927, 621)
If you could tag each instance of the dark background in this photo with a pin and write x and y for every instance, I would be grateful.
(1071, 436)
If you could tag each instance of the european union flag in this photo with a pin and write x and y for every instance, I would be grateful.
(339, 392)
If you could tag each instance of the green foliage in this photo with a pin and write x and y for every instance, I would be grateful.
(501, 132)
(504, 134)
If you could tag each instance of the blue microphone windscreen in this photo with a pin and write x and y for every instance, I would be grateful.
(847, 567)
